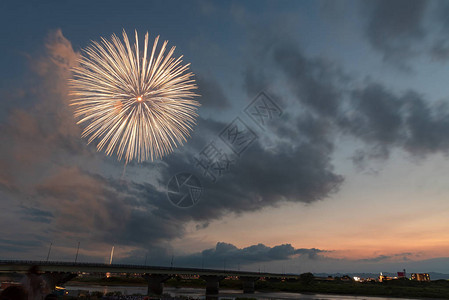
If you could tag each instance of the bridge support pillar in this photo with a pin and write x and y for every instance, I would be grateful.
(156, 283)
(248, 284)
(212, 283)
(57, 278)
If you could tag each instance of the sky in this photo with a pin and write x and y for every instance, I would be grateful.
(344, 166)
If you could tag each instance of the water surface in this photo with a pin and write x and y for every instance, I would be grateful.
(199, 293)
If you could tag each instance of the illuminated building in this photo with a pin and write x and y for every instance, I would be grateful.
(421, 276)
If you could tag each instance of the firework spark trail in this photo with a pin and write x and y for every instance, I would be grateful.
(137, 105)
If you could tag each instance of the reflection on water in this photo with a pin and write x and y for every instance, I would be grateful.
(224, 294)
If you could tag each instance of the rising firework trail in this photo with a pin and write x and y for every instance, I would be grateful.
(137, 105)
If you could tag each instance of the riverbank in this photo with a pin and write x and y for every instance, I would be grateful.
(395, 288)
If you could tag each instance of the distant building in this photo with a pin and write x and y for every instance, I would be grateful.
(383, 278)
(421, 276)
(402, 274)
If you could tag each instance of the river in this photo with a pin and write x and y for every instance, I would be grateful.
(197, 293)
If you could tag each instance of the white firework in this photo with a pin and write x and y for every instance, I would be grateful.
(139, 105)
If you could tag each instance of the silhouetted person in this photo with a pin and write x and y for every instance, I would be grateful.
(14, 293)
(35, 286)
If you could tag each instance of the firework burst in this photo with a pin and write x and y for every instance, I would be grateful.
(138, 105)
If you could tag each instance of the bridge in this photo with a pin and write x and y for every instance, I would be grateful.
(57, 273)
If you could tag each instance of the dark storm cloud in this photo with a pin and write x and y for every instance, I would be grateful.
(298, 171)
(371, 113)
(261, 178)
(375, 116)
(312, 80)
(230, 255)
(427, 126)
(212, 95)
(24, 245)
(440, 51)
(255, 253)
(394, 27)
(383, 120)
(380, 258)
(36, 215)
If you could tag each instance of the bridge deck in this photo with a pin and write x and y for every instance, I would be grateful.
(22, 266)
